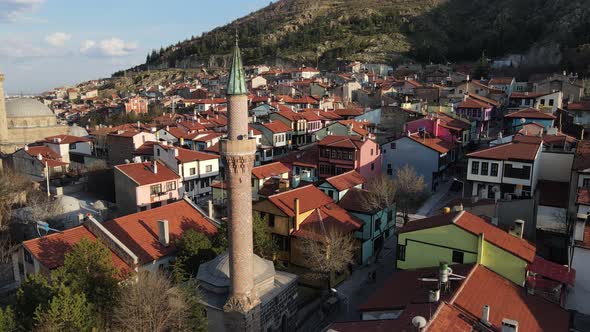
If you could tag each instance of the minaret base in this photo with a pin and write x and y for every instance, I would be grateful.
(242, 314)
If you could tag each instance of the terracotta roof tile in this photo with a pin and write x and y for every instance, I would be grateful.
(353, 142)
(277, 127)
(51, 250)
(346, 180)
(435, 143)
(143, 174)
(66, 139)
(516, 150)
(307, 157)
(333, 217)
(582, 156)
(533, 313)
(310, 198)
(349, 111)
(552, 270)
(139, 231)
(270, 170)
(530, 113)
(186, 155)
(473, 103)
(356, 200)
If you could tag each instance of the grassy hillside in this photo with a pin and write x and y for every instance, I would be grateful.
(323, 32)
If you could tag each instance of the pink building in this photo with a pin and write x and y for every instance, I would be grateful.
(144, 186)
(340, 154)
(137, 105)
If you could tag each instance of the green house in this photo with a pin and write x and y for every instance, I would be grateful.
(462, 238)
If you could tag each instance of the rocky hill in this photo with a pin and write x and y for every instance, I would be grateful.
(323, 32)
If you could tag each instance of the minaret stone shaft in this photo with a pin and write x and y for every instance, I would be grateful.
(238, 152)
(3, 119)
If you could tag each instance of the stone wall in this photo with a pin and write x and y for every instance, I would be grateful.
(282, 307)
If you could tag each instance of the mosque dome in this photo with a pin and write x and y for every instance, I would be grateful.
(77, 131)
(26, 108)
(216, 271)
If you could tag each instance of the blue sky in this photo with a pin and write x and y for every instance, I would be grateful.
(49, 43)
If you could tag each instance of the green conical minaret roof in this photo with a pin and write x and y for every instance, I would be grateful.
(236, 85)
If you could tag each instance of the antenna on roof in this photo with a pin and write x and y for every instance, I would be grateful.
(43, 226)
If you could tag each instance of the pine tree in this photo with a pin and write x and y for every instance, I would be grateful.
(7, 320)
(35, 292)
(67, 311)
(88, 267)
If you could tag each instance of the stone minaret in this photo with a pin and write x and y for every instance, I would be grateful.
(3, 121)
(238, 152)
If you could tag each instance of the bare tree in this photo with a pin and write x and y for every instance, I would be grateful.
(151, 303)
(40, 207)
(6, 249)
(382, 192)
(330, 253)
(410, 189)
(13, 191)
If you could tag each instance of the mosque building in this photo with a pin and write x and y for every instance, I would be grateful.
(25, 120)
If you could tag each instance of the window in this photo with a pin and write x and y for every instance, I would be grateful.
(158, 152)
(204, 184)
(517, 173)
(475, 167)
(390, 215)
(392, 146)
(586, 183)
(28, 257)
(527, 102)
(401, 252)
(458, 257)
(271, 220)
(73, 146)
(372, 166)
(372, 152)
(543, 102)
(484, 168)
(170, 185)
(209, 168)
(551, 102)
(192, 171)
(331, 193)
(494, 171)
(155, 189)
(389, 170)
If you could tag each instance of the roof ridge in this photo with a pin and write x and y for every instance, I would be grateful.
(458, 216)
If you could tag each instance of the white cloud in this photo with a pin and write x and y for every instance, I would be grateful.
(111, 47)
(57, 39)
(12, 10)
(19, 48)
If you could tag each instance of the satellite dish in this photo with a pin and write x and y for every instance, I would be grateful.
(419, 322)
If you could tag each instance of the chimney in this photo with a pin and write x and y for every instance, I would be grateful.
(518, 228)
(155, 167)
(210, 209)
(296, 214)
(26, 147)
(163, 232)
(509, 325)
(434, 295)
(485, 316)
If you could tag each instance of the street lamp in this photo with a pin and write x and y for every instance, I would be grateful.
(462, 187)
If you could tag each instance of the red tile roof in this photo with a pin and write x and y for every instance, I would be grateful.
(349, 111)
(580, 106)
(501, 80)
(66, 139)
(177, 132)
(143, 174)
(519, 149)
(346, 180)
(582, 156)
(476, 225)
(310, 198)
(485, 287)
(333, 217)
(213, 148)
(353, 142)
(270, 170)
(483, 99)
(552, 271)
(51, 250)
(530, 113)
(356, 200)
(186, 155)
(307, 157)
(276, 127)
(473, 103)
(45, 152)
(434, 143)
(139, 231)
(146, 149)
(358, 127)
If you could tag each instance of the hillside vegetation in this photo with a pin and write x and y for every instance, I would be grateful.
(322, 32)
